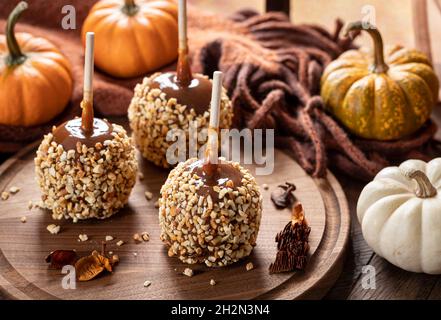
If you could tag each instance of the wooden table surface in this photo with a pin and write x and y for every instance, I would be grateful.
(391, 282)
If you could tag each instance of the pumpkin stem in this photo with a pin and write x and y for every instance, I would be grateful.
(379, 65)
(15, 56)
(424, 189)
(130, 8)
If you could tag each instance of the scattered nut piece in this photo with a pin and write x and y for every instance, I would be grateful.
(249, 266)
(23, 219)
(141, 176)
(212, 282)
(147, 283)
(83, 237)
(110, 253)
(120, 243)
(115, 259)
(14, 189)
(188, 272)
(135, 254)
(30, 205)
(265, 186)
(148, 195)
(145, 236)
(5, 195)
(53, 229)
(137, 237)
(109, 238)
(157, 204)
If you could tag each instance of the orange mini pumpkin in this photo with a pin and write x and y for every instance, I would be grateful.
(35, 78)
(133, 38)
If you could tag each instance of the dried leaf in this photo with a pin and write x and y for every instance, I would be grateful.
(91, 266)
(87, 268)
(60, 258)
(283, 196)
(292, 244)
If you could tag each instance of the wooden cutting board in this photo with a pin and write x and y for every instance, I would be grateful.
(24, 273)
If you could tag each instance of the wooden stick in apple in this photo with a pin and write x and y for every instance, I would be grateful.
(183, 72)
(87, 103)
(213, 141)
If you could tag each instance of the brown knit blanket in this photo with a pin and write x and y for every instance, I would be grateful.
(272, 73)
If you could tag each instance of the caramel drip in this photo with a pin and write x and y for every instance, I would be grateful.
(87, 117)
(183, 71)
(71, 132)
(196, 95)
(215, 175)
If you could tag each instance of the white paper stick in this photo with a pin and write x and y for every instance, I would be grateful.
(182, 24)
(214, 117)
(88, 67)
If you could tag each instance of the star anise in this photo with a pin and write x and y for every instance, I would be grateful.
(283, 196)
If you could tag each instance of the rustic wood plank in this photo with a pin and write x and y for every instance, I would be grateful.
(394, 283)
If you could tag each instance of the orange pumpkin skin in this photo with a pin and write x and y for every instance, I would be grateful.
(129, 45)
(37, 89)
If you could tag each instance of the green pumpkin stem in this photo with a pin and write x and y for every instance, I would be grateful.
(425, 188)
(379, 65)
(15, 56)
(130, 8)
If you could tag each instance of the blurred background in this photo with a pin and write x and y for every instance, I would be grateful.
(394, 18)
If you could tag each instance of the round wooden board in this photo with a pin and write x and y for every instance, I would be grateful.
(23, 246)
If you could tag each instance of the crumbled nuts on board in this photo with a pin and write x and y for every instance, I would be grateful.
(30, 205)
(135, 254)
(145, 236)
(83, 237)
(249, 266)
(147, 283)
(109, 238)
(14, 189)
(212, 282)
(137, 237)
(265, 186)
(157, 204)
(5, 195)
(140, 176)
(188, 272)
(120, 243)
(23, 219)
(115, 258)
(148, 195)
(53, 229)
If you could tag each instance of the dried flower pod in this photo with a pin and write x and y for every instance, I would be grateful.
(283, 196)
(60, 258)
(292, 243)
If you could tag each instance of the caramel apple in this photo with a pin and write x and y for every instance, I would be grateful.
(86, 167)
(210, 209)
(173, 100)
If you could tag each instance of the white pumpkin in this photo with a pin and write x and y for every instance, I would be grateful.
(400, 215)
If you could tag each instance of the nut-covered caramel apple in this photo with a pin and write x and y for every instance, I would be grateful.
(86, 167)
(173, 100)
(210, 209)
